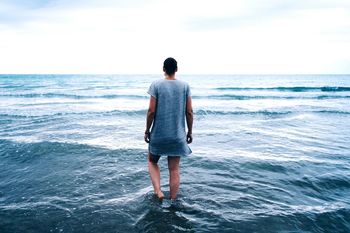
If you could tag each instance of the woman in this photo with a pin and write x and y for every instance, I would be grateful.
(170, 104)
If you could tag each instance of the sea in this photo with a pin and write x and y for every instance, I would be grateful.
(271, 153)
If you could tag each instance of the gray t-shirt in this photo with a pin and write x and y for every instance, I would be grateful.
(168, 133)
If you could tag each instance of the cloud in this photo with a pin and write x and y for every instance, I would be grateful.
(256, 13)
(205, 36)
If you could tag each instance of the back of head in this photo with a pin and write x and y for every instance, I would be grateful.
(170, 66)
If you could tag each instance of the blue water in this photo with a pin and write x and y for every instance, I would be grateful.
(270, 154)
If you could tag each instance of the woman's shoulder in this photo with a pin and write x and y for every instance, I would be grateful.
(184, 82)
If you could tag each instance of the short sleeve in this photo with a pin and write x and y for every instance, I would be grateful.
(188, 90)
(152, 90)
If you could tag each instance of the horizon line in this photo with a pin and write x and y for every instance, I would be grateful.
(188, 74)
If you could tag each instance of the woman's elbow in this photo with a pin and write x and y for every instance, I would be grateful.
(151, 112)
(189, 112)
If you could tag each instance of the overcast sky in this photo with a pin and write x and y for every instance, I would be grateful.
(206, 37)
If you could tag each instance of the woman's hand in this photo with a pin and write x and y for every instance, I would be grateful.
(147, 137)
(189, 138)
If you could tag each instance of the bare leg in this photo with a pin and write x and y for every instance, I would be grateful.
(154, 173)
(174, 175)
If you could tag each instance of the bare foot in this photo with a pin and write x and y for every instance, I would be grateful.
(159, 194)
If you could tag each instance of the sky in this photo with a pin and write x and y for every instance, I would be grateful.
(204, 36)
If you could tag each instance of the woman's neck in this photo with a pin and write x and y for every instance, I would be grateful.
(170, 77)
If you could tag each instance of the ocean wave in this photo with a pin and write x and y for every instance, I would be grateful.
(72, 96)
(301, 219)
(104, 113)
(200, 112)
(287, 89)
(321, 184)
(264, 112)
(121, 96)
(26, 152)
(249, 97)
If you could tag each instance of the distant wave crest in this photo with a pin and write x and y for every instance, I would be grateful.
(249, 97)
(214, 96)
(71, 96)
(263, 112)
(200, 112)
(290, 89)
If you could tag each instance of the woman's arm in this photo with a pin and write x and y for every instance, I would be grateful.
(150, 117)
(189, 119)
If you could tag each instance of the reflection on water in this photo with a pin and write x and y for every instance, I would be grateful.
(162, 216)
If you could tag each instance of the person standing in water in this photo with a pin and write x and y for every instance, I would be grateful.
(170, 105)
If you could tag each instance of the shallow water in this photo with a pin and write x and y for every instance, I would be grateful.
(270, 154)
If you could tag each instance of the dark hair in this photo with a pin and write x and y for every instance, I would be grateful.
(170, 66)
